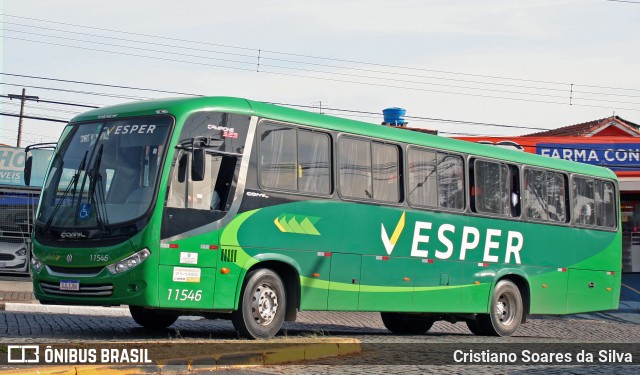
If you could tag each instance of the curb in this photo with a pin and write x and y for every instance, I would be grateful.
(65, 309)
(264, 352)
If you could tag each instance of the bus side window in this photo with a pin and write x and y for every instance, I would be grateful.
(354, 168)
(177, 183)
(450, 176)
(557, 194)
(583, 201)
(605, 204)
(221, 194)
(535, 195)
(493, 188)
(435, 179)
(515, 190)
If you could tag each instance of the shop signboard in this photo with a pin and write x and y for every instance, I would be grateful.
(12, 166)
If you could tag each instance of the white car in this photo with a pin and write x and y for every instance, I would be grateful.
(14, 255)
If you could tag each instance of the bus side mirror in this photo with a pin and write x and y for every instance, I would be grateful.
(27, 170)
(198, 165)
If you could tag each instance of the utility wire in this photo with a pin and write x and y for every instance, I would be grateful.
(98, 84)
(563, 89)
(256, 50)
(414, 117)
(33, 117)
(251, 63)
(339, 110)
(75, 91)
(288, 104)
(354, 82)
(33, 105)
(575, 91)
(407, 88)
(34, 134)
(375, 114)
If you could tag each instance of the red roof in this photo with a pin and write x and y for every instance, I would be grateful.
(610, 126)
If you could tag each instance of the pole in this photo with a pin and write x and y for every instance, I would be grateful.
(22, 98)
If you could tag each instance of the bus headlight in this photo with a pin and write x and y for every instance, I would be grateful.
(129, 262)
(36, 265)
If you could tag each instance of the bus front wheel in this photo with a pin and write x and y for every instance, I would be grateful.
(262, 306)
(505, 312)
(406, 324)
(152, 319)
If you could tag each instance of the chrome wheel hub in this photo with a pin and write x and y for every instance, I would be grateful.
(264, 305)
(503, 310)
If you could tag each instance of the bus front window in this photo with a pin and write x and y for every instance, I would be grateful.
(104, 173)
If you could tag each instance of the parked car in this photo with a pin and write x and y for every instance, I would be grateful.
(14, 255)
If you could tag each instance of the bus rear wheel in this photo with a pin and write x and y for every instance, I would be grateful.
(476, 327)
(406, 324)
(262, 306)
(152, 319)
(505, 312)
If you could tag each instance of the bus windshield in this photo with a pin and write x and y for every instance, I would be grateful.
(104, 173)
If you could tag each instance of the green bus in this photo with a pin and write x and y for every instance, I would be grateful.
(236, 209)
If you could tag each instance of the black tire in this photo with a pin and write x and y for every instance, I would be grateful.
(476, 328)
(152, 319)
(262, 305)
(406, 324)
(505, 311)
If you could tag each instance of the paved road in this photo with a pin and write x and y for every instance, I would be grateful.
(407, 354)
(619, 330)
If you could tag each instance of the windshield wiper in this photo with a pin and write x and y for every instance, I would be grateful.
(96, 191)
(74, 183)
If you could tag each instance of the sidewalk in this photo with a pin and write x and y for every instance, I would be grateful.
(17, 295)
(17, 290)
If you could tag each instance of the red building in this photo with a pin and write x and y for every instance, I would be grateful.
(610, 142)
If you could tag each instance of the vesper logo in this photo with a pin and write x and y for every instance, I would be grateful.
(443, 239)
(390, 243)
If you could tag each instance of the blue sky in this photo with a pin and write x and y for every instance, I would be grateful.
(504, 62)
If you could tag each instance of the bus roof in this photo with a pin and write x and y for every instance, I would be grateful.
(183, 107)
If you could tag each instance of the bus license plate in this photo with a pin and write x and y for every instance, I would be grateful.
(70, 285)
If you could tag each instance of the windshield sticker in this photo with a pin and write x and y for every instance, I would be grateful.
(186, 275)
(133, 129)
(226, 132)
(85, 211)
(93, 136)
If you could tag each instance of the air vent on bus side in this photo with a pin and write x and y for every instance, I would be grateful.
(228, 255)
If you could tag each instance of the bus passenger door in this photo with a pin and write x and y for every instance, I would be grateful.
(344, 281)
(389, 283)
(191, 219)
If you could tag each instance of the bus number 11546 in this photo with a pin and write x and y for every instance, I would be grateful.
(184, 295)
